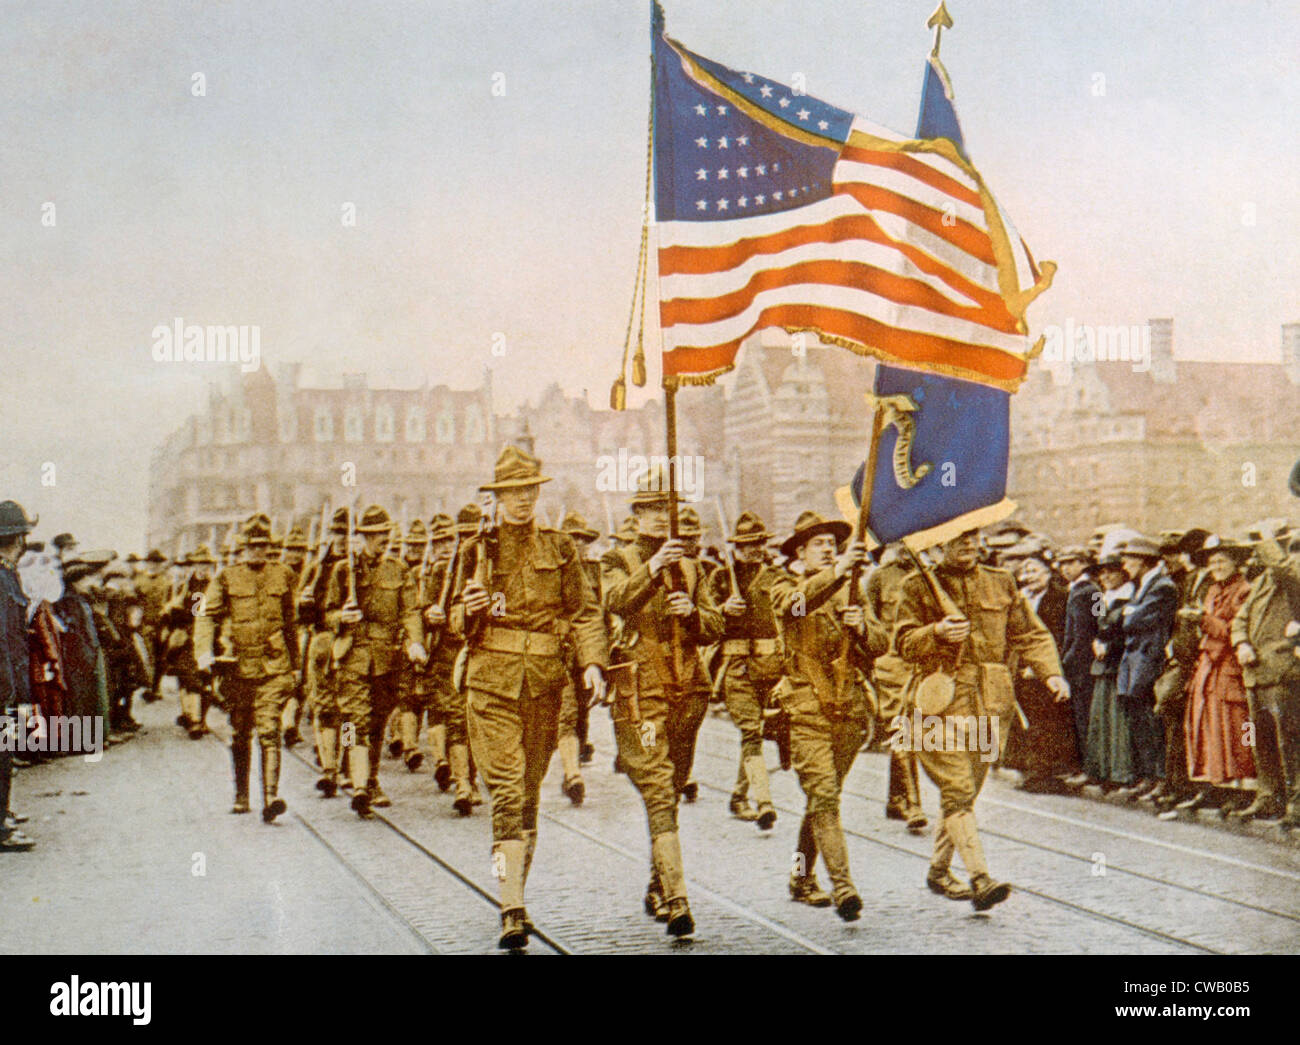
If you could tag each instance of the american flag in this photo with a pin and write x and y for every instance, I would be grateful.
(775, 209)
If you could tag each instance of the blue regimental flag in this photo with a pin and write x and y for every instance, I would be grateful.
(942, 458)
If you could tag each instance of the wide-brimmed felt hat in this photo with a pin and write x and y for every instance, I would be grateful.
(576, 526)
(375, 519)
(688, 523)
(200, 556)
(515, 468)
(442, 527)
(749, 530)
(1144, 547)
(14, 521)
(256, 529)
(652, 487)
(417, 535)
(339, 522)
(1215, 545)
(809, 525)
(63, 540)
(296, 540)
(155, 556)
(468, 519)
(1074, 553)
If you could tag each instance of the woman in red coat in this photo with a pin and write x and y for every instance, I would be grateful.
(1216, 716)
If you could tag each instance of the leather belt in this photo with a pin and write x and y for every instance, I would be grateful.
(748, 647)
(516, 640)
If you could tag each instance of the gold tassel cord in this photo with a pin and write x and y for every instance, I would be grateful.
(618, 393)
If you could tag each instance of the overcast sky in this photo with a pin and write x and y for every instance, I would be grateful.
(1168, 189)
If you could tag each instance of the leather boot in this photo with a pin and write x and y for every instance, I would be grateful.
(272, 804)
(289, 722)
(572, 785)
(916, 818)
(1265, 807)
(509, 856)
(760, 788)
(986, 892)
(655, 905)
(189, 710)
(740, 808)
(327, 752)
(458, 755)
(409, 725)
(945, 883)
(806, 889)
(240, 756)
(830, 840)
(441, 767)
(359, 771)
(666, 852)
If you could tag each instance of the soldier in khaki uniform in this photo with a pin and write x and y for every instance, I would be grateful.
(154, 588)
(575, 710)
(751, 661)
(257, 598)
(1271, 671)
(294, 556)
(414, 690)
(664, 616)
(320, 678)
(372, 609)
(449, 733)
(515, 584)
(891, 676)
(969, 642)
(178, 618)
(827, 726)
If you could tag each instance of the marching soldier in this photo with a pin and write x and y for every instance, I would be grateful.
(294, 556)
(372, 608)
(515, 582)
(959, 644)
(179, 619)
(830, 643)
(450, 738)
(257, 597)
(891, 675)
(154, 588)
(413, 687)
(575, 710)
(666, 613)
(751, 662)
(318, 674)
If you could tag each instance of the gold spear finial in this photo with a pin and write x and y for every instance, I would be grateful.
(939, 21)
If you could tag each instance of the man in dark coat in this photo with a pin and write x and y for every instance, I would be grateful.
(1148, 624)
(1082, 603)
(15, 660)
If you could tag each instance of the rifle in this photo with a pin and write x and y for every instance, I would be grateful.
(487, 530)
(309, 576)
(444, 594)
(343, 641)
(731, 561)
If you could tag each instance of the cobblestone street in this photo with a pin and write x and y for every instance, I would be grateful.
(139, 854)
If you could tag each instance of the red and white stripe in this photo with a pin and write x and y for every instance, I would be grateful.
(899, 260)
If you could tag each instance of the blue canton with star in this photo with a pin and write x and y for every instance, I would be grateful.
(715, 163)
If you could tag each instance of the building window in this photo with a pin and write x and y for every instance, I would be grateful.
(415, 425)
(384, 424)
(289, 425)
(445, 429)
(474, 425)
(324, 425)
(353, 425)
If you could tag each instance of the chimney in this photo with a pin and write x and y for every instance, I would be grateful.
(1163, 369)
(1291, 351)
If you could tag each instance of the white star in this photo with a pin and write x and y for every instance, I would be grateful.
(703, 143)
(722, 204)
(765, 91)
(722, 174)
(743, 171)
(702, 110)
(760, 199)
(722, 143)
(776, 195)
(784, 103)
(722, 110)
(822, 125)
(702, 175)
(743, 201)
(761, 168)
(748, 78)
(701, 205)
(804, 114)
(776, 166)
(743, 140)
